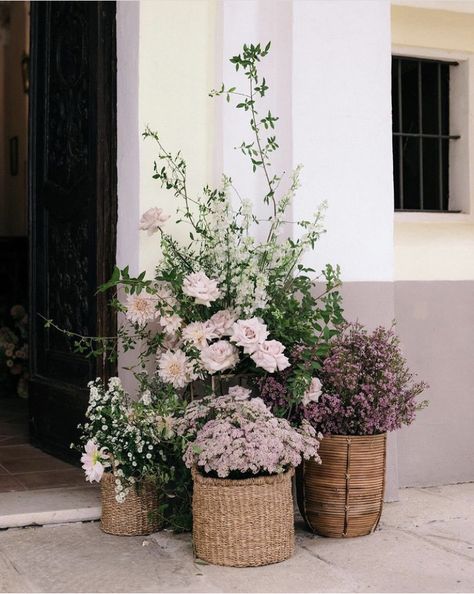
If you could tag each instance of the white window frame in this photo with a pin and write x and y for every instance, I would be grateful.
(461, 153)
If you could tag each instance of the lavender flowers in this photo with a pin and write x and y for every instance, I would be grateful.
(368, 387)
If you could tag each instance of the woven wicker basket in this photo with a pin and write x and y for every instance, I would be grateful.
(343, 496)
(136, 515)
(243, 523)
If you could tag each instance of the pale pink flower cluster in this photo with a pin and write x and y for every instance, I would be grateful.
(145, 307)
(251, 335)
(313, 393)
(223, 321)
(171, 324)
(239, 393)
(242, 437)
(142, 308)
(176, 368)
(269, 356)
(203, 289)
(199, 334)
(219, 356)
(152, 220)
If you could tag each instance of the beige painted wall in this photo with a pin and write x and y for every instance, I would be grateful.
(177, 58)
(14, 102)
(436, 247)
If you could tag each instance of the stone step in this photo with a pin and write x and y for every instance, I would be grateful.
(49, 506)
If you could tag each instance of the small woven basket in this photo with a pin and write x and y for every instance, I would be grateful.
(137, 515)
(243, 523)
(343, 496)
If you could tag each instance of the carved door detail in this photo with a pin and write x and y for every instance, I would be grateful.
(72, 205)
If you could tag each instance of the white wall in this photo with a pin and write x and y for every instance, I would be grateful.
(342, 130)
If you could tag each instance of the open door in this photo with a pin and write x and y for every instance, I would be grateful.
(72, 197)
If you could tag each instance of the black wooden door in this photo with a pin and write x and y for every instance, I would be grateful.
(72, 157)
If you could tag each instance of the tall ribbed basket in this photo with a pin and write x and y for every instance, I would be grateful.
(343, 496)
(137, 515)
(243, 523)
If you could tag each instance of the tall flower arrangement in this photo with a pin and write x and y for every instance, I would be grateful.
(225, 302)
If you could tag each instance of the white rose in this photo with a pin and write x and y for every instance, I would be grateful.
(239, 393)
(201, 287)
(269, 356)
(222, 322)
(219, 356)
(313, 393)
(152, 220)
(249, 334)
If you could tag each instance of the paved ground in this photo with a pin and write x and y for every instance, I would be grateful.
(425, 544)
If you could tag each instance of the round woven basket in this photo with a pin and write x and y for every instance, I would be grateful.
(343, 496)
(137, 515)
(243, 523)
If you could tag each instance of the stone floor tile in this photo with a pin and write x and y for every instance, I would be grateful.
(50, 479)
(10, 483)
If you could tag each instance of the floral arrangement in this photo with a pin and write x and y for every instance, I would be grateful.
(133, 439)
(14, 352)
(364, 386)
(224, 302)
(236, 436)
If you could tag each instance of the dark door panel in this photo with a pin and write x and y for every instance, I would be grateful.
(72, 205)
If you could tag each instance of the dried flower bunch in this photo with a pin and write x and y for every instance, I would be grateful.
(236, 436)
(14, 352)
(365, 386)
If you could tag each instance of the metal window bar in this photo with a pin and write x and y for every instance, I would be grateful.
(421, 135)
(440, 141)
(400, 127)
(420, 128)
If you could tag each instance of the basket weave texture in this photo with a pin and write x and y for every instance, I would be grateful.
(243, 523)
(343, 496)
(136, 515)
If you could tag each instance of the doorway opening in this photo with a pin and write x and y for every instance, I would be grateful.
(57, 227)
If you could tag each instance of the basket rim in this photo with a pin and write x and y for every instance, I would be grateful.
(111, 476)
(356, 437)
(226, 482)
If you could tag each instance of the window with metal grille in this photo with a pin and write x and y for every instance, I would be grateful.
(421, 136)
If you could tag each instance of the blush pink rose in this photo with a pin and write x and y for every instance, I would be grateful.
(219, 356)
(222, 322)
(269, 356)
(201, 287)
(313, 393)
(249, 334)
(152, 220)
